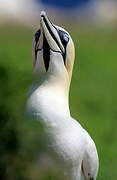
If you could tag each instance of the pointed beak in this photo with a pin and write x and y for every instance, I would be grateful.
(51, 34)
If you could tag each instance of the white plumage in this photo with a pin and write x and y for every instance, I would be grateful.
(48, 102)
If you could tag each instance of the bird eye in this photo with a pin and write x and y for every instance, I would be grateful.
(64, 37)
(37, 35)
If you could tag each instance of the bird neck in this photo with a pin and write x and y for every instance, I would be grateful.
(53, 94)
(51, 89)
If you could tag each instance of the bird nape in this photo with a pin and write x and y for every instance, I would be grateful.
(48, 103)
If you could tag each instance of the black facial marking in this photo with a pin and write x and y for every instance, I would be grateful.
(37, 35)
(64, 39)
(46, 52)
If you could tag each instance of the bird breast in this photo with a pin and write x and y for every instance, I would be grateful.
(66, 135)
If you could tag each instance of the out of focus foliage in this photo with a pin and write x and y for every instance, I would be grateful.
(93, 101)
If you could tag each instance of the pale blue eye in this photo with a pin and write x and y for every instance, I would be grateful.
(66, 37)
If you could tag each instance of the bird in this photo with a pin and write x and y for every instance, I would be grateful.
(48, 101)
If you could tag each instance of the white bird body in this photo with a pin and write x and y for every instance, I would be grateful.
(48, 102)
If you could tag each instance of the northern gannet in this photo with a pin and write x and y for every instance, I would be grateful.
(48, 101)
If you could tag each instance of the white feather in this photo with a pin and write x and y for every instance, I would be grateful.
(49, 104)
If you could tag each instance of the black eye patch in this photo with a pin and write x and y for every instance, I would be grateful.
(64, 37)
(37, 35)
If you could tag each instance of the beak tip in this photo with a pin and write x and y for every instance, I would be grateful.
(43, 14)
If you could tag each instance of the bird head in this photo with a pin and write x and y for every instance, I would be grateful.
(53, 50)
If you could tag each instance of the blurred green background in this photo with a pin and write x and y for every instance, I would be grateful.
(93, 99)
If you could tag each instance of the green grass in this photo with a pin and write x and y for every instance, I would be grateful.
(93, 96)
